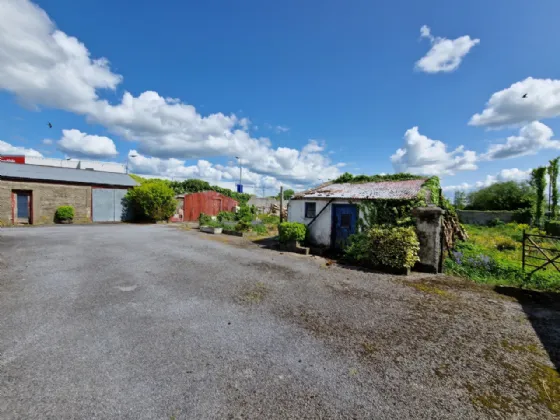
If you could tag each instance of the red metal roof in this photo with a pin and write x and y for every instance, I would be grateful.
(366, 191)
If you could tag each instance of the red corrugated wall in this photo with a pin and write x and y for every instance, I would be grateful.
(208, 202)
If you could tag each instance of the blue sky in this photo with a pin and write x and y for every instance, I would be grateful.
(333, 84)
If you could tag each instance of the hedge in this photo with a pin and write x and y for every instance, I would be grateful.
(395, 247)
(64, 213)
(552, 227)
(291, 231)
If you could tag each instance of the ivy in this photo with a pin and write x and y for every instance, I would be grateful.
(538, 181)
(553, 173)
(347, 177)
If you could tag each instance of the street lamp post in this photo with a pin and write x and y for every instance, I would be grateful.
(240, 169)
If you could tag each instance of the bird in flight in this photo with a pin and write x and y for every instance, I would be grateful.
(50, 125)
(524, 96)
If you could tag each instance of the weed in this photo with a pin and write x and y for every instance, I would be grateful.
(528, 348)
(546, 382)
(256, 294)
(368, 347)
(428, 288)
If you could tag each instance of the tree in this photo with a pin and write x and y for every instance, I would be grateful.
(502, 196)
(553, 179)
(288, 194)
(538, 181)
(153, 200)
(460, 200)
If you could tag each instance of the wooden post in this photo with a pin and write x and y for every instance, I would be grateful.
(523, 253)
(281, 204)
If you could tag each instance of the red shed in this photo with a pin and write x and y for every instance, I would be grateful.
(207, 202)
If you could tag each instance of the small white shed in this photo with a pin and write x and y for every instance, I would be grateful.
(330, 210)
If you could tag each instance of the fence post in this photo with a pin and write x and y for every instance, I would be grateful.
(523, 253)
(281, 204)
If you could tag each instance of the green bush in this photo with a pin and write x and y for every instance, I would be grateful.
(64, 213)
(552, 227)
(524, 216)
(246, 213)
(226, 216)
(505, 244)
(214, 224)
(395, 247)
(153, 200)
(269, 219)
(291, 231)
(496, 222)
(243, 226)
(204, 219)
(259, 229)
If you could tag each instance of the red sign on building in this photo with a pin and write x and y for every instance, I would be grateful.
(12, 159)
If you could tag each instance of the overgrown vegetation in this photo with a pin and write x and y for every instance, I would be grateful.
(493, 255)
(195, 185)
(152, 200)
(395, 247)
(291, 231)
(538, 181)
(553, 180)
(502, 196)
(348, 177)
(64, 213)
(552, 227)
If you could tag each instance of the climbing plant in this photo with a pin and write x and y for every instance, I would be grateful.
(357, 179)
(553, 179)
(538, 181)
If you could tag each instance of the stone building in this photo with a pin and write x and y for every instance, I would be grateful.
(30, 194)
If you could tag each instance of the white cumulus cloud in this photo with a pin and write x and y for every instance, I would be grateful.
(446, 54)
(424, 156)
(513, 174)
(8, 149)
(532, 138)
(224, 175)
(41, 65)
(510, 107)
(77, 144)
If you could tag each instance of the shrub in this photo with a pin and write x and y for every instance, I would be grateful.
(524, 216)
(204, 219)
(505, 244)
(358, 248)
(246, 213)
(395, 247)
(64, 213)
(243, 226)
(153, 200)
(496, 222)
(214, 224)
(552, 227)
(226, 216)
(259, 229)
(291, 231)
(269, 219)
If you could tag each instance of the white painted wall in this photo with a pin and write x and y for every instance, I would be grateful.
(320, 230)
(77, 164)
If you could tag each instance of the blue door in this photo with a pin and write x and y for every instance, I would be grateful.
(344, 221)
(22, 207)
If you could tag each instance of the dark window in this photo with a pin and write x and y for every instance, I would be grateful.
(310, 209)
(345, 221)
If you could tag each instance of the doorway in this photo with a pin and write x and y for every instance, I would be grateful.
(344, 218)
(22, 207)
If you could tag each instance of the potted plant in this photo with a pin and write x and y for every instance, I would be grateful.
(212, 226)
(64, 214)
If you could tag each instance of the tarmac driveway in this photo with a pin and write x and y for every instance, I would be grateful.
(154, 322)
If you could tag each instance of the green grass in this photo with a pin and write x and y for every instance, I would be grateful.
(493, 256)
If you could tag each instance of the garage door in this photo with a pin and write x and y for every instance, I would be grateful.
(108, 205)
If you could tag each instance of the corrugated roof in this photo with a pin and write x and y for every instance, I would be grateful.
(51, 173)
(367, 191)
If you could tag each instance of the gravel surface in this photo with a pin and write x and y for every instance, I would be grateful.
(156, 322)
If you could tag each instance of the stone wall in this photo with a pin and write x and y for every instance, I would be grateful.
(428, 229)
(473, 217)
(263, 204)
(46, 199)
